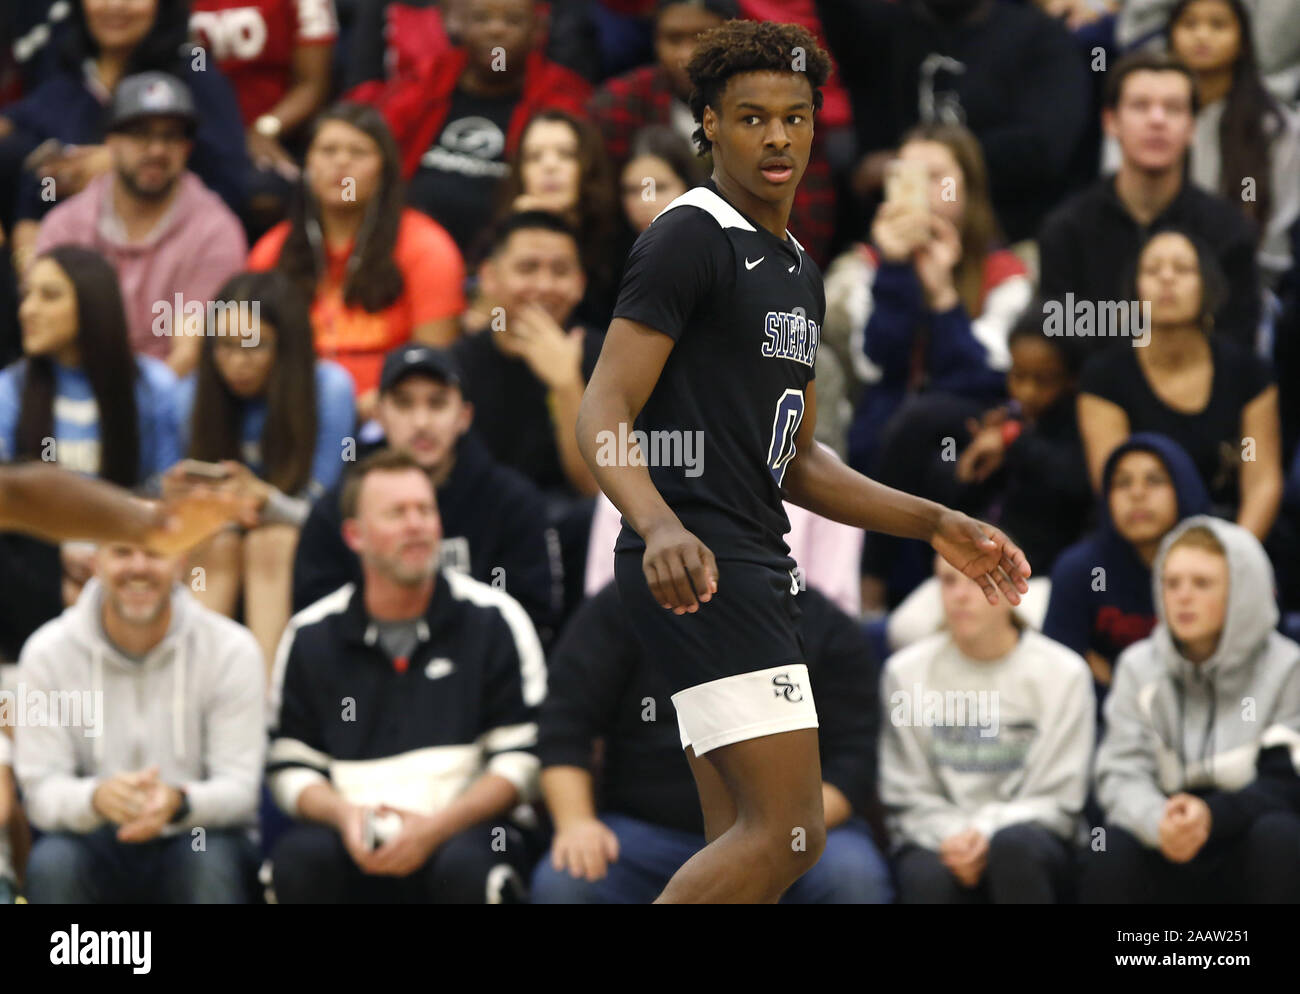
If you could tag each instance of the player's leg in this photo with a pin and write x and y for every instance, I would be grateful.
(779, 831)
(715, 799)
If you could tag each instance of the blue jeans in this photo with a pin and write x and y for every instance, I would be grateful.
(851, 870)
(70, 868)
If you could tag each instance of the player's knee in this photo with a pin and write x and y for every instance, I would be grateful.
(790, 847)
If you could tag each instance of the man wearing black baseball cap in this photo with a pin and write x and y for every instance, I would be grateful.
(493, 518)
(171, 239)
(150, 95)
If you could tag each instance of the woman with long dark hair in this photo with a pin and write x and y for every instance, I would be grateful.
(276, 418)
(79, 397)
(561, 167)
(1209, 394)
(1247, 144)
(376, 272)
(661, 166)
(103, 42)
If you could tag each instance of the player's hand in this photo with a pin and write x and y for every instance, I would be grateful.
(192, 516)
(585, 848)
(983, 553)
(679, 568)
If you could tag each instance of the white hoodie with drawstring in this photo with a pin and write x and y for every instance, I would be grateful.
(193, 707)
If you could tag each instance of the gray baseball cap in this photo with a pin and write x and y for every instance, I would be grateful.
(151, 94)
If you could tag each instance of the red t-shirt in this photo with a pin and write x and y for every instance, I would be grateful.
(252, 42)
(433, 274)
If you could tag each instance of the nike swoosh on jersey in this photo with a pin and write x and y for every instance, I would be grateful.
(751, 265)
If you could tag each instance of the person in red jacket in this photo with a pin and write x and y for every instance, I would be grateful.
(658, 94)
(458, 122)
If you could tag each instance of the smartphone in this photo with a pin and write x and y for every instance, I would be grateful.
(908, 182)
(204, 470)
(378, 829)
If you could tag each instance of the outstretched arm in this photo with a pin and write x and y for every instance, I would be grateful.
(678, 566)
(826, 486)
(60, 506)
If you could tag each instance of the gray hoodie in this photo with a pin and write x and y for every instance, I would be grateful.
(1227, 729)
(193, 707)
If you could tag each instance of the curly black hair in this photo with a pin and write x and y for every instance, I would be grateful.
(750, 46)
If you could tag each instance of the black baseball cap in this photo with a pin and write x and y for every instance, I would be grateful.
(407, 359)
(151, 94)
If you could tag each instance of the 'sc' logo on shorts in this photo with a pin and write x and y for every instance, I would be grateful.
(782, 687)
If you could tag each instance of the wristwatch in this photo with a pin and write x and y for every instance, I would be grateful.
(183, 811)
(268, 125)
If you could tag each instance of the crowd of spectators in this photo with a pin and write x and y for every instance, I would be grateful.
(354, 260)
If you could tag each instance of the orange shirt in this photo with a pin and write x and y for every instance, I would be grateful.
(433, 274)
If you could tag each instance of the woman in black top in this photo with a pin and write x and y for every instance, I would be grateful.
(1212, 396)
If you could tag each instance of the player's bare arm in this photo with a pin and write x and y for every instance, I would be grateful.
(818, 481)
(60, 506)
(677, 564)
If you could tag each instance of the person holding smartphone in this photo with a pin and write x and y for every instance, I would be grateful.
(925, 306)
(268, 420)
(941, 294)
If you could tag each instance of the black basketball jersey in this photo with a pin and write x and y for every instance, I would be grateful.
(745, 310)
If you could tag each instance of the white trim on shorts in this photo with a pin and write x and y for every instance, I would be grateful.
(745, 706)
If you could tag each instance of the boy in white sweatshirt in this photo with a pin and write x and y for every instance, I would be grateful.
(986, 739)
(140, 742)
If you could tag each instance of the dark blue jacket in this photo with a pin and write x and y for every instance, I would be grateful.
(494, 527)
(955, 361)
(1109, 620)
(63, 107)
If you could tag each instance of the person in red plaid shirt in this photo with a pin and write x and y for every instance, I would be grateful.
(459, 121)
(657, 94)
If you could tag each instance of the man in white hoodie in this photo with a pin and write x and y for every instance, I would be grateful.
(986, 736)
(1196, 774)
(139, 743)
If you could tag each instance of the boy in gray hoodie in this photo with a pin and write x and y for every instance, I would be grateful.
(139, 743)
(1196, 774)
(987, 734)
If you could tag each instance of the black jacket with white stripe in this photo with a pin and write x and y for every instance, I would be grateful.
(412, 736)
